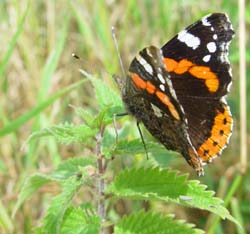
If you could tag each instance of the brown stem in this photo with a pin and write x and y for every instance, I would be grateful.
(100, 180)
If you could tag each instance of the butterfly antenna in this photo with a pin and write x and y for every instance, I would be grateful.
(75, 56)
(118, 52)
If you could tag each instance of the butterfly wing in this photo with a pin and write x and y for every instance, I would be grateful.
(150, 97)
(197, 61)
(179, 91)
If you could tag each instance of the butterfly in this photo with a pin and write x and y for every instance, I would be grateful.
(179, 91)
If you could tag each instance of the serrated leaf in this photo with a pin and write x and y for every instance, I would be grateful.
(104, 117)
(149, 183)
(107, 98)
(65, 170)
(204, 199)
(101, 118)
(105, 95)
(71, 167)
(55, 214)
(86, 115)
(77, 221)
(166, 185)
(151, 223)
(31, 185)
(66, 133)
(136, 147)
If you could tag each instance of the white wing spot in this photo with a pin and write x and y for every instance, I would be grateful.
(162, 87)
(206, 58)
(205, 22)
(189, 39)
(230, 71)
(223, 99)
(145, 64)
(229, 86)
(224, 53)
(211, 46)
(148, 68)
(212, 29)
(160, 77)
(156, 110)
(149, 52)
(215, 36)
(171, 89)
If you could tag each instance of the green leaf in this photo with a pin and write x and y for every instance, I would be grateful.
(110, 103)
(166, 185)
(151, 223)
(78, 221)
(106, 96)
(32, 184)
(66, 133)
(149, 183)
(55, 214)
(65, 171)
(71, 167)
(204, 199)
(102, 118)
(86, 115)
(136, 147)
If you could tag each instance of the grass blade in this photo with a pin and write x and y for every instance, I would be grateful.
(18, 122)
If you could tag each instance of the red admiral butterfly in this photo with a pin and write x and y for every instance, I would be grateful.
(179, 91)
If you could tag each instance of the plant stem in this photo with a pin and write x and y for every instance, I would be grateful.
(243, 85)
(101, 181)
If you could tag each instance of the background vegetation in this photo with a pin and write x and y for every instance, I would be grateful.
(36, 77)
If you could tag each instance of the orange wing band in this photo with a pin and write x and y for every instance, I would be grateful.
(220, 135)
(151, 89)
(199, 72)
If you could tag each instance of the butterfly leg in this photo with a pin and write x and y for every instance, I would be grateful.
(143, 142)
(114, 124)
(194, 161)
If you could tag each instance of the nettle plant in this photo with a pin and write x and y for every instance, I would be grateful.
(94, 171)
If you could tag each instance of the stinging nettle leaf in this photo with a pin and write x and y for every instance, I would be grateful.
(66, 133)
(59, 205)
(86, 115)
(166, 185)
(149, 183)
(65, 170)
(151, 223)
(77, 220)
(71, 167)
(105, 95)
(136, 147)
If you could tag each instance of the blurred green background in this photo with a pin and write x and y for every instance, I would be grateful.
(36, 43)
